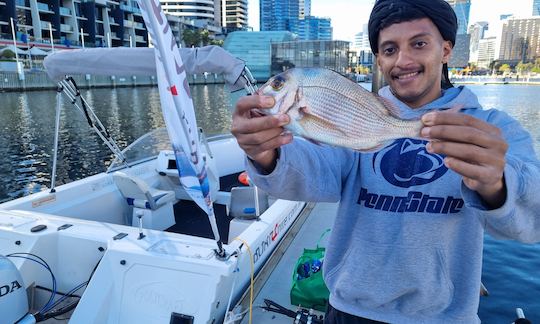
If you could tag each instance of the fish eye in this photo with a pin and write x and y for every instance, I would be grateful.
(277, 83)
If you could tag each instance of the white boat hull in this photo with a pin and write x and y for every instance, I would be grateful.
(137, 280)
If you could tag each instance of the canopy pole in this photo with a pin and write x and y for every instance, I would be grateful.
(56, 136)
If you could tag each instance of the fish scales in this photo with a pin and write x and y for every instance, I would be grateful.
(326, 107)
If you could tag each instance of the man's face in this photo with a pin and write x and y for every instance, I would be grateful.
(411, 55)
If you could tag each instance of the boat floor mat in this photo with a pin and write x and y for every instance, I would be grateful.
(192, 220)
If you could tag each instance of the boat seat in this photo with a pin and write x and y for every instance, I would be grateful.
(153, 205)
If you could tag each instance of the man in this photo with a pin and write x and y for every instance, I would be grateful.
(406, 245)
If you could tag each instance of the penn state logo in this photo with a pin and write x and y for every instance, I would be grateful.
(406, 163)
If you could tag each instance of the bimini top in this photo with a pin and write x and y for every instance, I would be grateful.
(141, 61)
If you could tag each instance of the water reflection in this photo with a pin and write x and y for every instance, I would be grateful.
(520, 101)
(27, 127)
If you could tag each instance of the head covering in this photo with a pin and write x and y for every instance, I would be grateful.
(389, 12)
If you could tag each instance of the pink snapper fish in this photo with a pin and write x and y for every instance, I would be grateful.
(326, 107)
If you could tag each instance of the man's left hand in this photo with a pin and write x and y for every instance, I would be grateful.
(473, 148)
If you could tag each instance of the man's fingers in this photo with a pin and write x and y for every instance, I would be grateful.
(253, 150)
(470, 153)
(259, 137)
(481, 175)
(246, 103)
(453, 118)
(258, 124)
(462, 134)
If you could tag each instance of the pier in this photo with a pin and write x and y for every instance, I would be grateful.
(38, 80)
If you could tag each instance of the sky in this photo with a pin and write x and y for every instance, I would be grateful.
(348, 16)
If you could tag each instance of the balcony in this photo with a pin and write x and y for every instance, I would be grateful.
(43, 7)
(65, 11)
(45, 25)
(66, 28)
(23, 3)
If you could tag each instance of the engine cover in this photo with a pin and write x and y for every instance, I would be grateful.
(13, 298)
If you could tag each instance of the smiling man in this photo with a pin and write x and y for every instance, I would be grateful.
(406, 245)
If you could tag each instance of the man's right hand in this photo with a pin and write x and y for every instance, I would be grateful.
(259, 135)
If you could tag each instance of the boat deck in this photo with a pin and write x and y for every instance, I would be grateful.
(278, 280)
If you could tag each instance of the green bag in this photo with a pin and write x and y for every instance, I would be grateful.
(308, 287)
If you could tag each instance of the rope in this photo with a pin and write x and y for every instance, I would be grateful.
(252, 264)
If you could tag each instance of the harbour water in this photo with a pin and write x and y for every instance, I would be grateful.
(511, 270)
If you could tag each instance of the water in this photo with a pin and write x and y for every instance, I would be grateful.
(511, 270)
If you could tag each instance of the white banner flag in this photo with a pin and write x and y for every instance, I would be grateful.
(177, 108)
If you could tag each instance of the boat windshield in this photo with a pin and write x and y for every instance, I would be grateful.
(145, 148)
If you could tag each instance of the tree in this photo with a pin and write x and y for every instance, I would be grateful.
(524, 67)
(505, 68)
(204, 36)
(217, 42)
(535, 68)
(360, 69)
(8, 54)
(191, 38)
(200, 37)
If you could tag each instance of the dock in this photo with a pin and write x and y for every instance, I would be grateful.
(275, 278)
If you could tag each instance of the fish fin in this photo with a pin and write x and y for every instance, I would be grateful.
(300, 100)
(391, 108)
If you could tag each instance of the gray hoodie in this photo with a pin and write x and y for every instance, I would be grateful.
(406, 245)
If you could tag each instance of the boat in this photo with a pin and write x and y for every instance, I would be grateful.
(130, 245)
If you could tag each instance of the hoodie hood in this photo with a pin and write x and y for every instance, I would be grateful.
(450, 98)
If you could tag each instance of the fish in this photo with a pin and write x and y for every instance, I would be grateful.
(326, 107)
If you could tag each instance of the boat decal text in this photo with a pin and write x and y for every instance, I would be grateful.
(9, 288)
(272, 237)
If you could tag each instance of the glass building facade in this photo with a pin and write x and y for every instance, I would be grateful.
(536, 8)
(314, 28)
(333, 55)
(279, 15)
(255, 49)
(462, 9)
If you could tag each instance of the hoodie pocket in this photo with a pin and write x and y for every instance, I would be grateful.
(410, 280)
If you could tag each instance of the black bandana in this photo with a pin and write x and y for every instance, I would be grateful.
(389, 12)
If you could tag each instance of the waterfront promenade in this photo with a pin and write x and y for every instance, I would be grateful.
(38, 80)
(497, 80)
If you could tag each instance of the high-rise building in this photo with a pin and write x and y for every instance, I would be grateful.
(477, 32)
(462, 9)
(279, 15)
(536, 8)
(460, 54)
(234, 14)
(305, 8)
(520, 39)
(98, 23)
(293, 16)
(486, 52)
(203, 10)
(315, 28)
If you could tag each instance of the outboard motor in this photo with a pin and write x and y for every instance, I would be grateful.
(13, 298)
